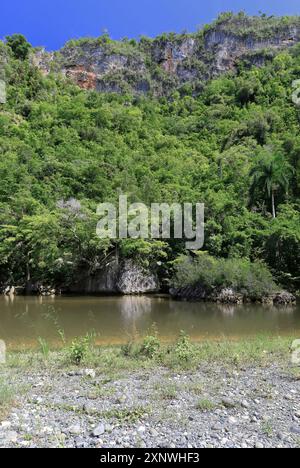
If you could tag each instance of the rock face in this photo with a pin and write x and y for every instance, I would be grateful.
(134, 279)
(125, 278)
(103, 282)
(13, 290)
(199, 293)
(228, 296)
(170, 62)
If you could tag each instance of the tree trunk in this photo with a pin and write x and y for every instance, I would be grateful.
(220, 162)
(273, 205)
(28, 278)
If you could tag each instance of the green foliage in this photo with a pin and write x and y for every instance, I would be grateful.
(205, 405)
(80, 348)
(251, 279)
(127, 415)
(184, 350)
(261, 27)
(19, 46)
(44, 346)
(6, 396)
(271, 175)
(150, 346)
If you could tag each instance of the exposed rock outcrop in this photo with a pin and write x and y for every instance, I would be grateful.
(13, 290)
(169, 62)
(104, 281)
(228, 296)
(284, 298)
(125, 278)
(134, 279)
(200, 293)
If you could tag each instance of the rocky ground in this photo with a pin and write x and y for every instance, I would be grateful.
(213, 406)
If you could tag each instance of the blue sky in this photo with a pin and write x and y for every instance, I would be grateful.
(52, 22)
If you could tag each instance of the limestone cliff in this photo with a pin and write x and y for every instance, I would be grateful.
(171, 62)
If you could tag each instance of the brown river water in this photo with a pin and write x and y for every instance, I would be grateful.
(117, 319)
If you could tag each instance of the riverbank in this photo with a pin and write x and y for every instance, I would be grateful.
(225, 394)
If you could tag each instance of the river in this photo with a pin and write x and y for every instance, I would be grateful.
(118, 319)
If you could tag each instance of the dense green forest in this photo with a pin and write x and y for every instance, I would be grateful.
(235, 147)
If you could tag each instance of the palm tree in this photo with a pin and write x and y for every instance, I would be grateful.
(271, 175)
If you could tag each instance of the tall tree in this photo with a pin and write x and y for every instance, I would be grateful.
(271, 174)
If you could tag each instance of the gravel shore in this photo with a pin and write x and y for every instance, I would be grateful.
(212, 406)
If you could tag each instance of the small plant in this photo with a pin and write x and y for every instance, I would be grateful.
(195, 388)
(127, 415)
(62, 335)
(80, 347)
(150, 346)
(130, 349)
(267, 428)
(205, 405)
(44, 347)
(6, 397)
(169, 392)
(184, 348)
(295, 374)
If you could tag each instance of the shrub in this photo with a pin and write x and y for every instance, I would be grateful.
(254, 280)
(79, 348)
(19, 46)
(130, 349)
(184, 350)
(150, 346)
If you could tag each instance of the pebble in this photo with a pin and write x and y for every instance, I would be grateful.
(295, 430)
(259, 445)
(90, 373)
(245, 404)
(75, 429)
(232, 420)
(11, 437)
(5, 424)
(228, 403)
(99, 430)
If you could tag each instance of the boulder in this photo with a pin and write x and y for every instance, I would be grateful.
(46, 291)
(229, 296)
(284, 298)
(134, 279)
(124, 277)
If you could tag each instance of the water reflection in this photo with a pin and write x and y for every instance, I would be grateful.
(2, 352)
(115, 319)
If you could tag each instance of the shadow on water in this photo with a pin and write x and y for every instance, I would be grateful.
(116, 319)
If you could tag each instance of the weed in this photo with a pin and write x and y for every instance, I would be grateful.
(80, 348)
(6, 397)
(205, 405)
(168, 392)
(44, 346)
(127, 415)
